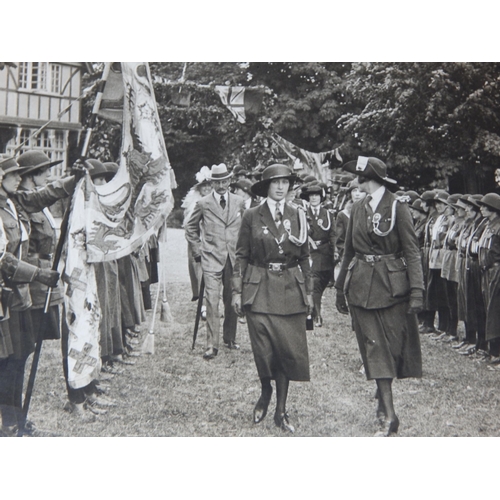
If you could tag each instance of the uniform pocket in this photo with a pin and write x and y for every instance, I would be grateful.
(350, 270)
(398, 278)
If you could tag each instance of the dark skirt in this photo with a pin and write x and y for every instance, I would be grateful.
(22, 334)
(279, 343)
(132, 306)
(52, 329)
(6, 347)
(388, 341)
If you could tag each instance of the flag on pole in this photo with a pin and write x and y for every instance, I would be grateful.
(241, 101)
(111, 221)
(315, 163)
(111, 106)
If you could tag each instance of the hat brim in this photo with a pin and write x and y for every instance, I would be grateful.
(487, 205)
(221, 178)
(350, 167)
(46, 165)
(261, 188)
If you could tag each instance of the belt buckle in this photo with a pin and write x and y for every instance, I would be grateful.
(275, 266)
(370, 258)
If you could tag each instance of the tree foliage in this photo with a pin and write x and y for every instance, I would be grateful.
(428, 121)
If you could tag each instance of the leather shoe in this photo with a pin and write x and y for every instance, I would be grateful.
(210, 353)
(388, 427)
(319, 321)
(260, 410)
(460, 345)
(281, 421)
(231, 345)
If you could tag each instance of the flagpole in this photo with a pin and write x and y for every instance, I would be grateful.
(58, 253)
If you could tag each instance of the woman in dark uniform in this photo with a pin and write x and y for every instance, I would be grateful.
(17, 275)
(381, 276)
(273, 288)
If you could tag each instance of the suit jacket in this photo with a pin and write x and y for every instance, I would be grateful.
(213, 232)
(267, 291)
(323, 239)
(383, 283)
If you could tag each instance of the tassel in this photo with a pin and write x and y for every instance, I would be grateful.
(148, 346)
(165, 313)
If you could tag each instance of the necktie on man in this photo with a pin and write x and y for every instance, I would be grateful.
(223, 202)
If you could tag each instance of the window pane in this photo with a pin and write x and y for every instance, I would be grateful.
(23, 75)
(55, 78)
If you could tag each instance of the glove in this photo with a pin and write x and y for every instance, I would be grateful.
(197, 258)
(416, 304)
(310, 305)
(236, 304)
(47, 277)
(340, 303)
(78, 168)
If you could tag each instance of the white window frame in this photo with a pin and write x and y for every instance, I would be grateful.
(40, 77)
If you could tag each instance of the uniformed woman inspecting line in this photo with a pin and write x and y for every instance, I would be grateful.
(381, 276)
(273, 288)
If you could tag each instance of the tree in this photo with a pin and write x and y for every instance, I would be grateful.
(429, 121)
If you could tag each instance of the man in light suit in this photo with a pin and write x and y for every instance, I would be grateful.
(212, 231)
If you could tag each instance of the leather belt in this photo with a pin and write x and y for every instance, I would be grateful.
(43, 256)
(378, 258)
(276, 266)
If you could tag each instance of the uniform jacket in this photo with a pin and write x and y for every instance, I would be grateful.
(18, 223)
(489, 260)
(267, 291)
(341, 223)
(321, 239)
(380, 283)
(213, 232)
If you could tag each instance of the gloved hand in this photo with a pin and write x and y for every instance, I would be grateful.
(197, 258)
(340, 303)
(310, 304)
(236, 304)
(47, 277)
(78, 168)
(416, 303)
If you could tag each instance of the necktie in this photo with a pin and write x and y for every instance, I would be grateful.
(368, 201)
(278, 215)
(223, 202)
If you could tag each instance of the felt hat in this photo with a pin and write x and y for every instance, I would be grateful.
(244, 185)
(370, 167)
(313, 188)
(270, 173)
(219, 172)
(97, 168)
(469, 199)
(35, 160)
(490, 200)
(9, 164)
(417, 205)
(428, 195)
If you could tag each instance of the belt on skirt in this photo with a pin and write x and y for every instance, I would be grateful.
(276, 266)
(378, 258)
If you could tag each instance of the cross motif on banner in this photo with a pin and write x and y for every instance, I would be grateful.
(82, 358)
(73, 281)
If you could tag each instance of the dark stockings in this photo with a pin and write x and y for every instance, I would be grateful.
(384, 394)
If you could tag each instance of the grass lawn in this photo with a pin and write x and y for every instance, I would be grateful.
(176, 393)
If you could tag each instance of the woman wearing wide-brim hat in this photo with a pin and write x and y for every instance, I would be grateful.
(272, 287)
(18, 273)
(381, 278)
(321, 238)
(489, 262)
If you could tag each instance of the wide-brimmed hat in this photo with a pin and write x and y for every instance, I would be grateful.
(371, 167)
(342, 178)
(428, 195)
(97, 168)
(9, 164)
(417, 205)
(490, 200)
(313, 188)
(441, 196)
(239, 170)
(220, 172)
(352, 184)
(244, 185)
(272, 172)
(35, 160)
(469, 199)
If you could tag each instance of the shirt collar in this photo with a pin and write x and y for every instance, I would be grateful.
(376, 197)
(272, 205)
(217, 196)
